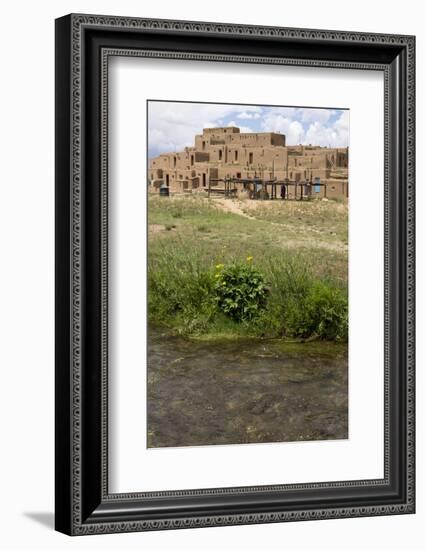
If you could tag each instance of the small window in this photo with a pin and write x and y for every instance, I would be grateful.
(250, 158)
(236, 155)
(220, 154)
(204, 145)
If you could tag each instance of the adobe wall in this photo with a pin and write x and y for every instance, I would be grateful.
(220, 153)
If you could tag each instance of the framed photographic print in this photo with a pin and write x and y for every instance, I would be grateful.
(234, 274)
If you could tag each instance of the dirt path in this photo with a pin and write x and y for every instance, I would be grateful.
(232, 206)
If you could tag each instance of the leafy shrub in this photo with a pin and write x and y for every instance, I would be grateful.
(187, 294)
(240, 290)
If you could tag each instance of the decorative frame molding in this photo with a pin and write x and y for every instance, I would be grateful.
(84, 43)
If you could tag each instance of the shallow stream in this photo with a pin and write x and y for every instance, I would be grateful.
(251, 391)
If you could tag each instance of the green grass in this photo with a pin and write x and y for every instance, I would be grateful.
(306, 277)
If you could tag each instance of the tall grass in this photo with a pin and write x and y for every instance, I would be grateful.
(305, 306)
(180, 288)
(299, 305)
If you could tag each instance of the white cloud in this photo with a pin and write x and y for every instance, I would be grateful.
(211, 124)
(343, 121)
(286, 112)
(243, 129)
(249, 115)
(315, 115)
(308, 126)
(277, 122)
(334, 135)
(317, 134)
(172, 126)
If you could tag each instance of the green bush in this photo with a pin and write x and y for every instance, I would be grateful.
(283, 299)
(240, 290)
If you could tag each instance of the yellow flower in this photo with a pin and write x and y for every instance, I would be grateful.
(249, 258)
(217, 275)
(220, 266)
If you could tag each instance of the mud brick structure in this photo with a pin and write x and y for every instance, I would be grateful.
(225, 160)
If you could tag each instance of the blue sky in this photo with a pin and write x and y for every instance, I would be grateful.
(173, 125)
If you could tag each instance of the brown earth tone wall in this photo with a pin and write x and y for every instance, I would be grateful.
(226, 153)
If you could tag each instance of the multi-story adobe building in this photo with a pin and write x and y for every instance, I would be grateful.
(222, 155)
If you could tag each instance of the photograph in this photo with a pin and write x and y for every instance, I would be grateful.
(209, 302)
(234, 273)
(247, 273)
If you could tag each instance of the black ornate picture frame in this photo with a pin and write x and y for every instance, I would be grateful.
(84, 43)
